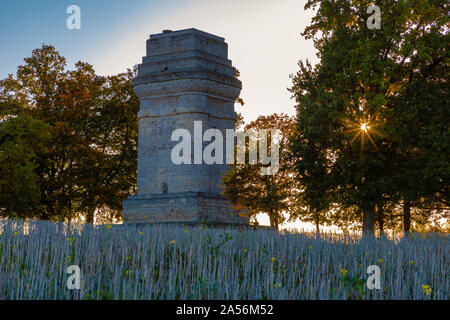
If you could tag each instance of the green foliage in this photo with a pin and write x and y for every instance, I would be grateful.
(22, 139)
(214, 249)
(354, 285)
(248, 189)
(89, 162)
(394, 82)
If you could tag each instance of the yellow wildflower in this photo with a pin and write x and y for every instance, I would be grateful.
(380, 260)
(344, 272)
(273, 259)
(426, 289)
(277, 285)
(172, 242)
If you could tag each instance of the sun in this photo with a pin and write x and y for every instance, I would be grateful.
(364, 129)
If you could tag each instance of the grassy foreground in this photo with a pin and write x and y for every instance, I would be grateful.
(176, 262)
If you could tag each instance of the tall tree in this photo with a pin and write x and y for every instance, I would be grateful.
(352, 104)
(247, 187)
(90, 160)
(22, 139)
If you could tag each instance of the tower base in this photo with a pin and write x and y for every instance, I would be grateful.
(186, 207)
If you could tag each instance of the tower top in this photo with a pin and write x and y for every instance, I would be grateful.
(170, 42)
(188, 54)
(186, 32)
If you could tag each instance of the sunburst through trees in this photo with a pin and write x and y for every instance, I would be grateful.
(363, 128)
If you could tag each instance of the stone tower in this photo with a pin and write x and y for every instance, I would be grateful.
(186, 77)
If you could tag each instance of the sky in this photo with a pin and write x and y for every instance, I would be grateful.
(263, 36)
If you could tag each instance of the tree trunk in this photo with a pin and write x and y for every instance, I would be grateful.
(69, 226)
(274, 224)
(273, 220)
(368, 220)
(406, 217)
(317, 227)
(380, 217)
(90, 216)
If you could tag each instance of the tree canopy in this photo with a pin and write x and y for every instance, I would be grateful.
(372, 115)
(245, 185)
(76, 135)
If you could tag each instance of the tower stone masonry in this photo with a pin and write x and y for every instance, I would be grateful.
(185, 77)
